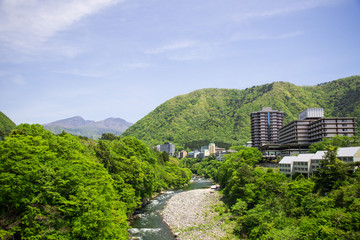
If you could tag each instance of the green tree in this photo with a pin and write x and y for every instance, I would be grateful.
(332, 172)
(50, 189)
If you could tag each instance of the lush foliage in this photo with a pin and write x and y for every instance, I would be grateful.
(268, 205)
(337, 141)
(223, 115)
(203, 167)
(64, 187)
(6, 125)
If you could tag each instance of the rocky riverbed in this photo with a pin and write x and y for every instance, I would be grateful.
(191, 215)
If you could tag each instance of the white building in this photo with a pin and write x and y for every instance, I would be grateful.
(311, 113)
(309, 163)
(316, 160)
(302, 163)
(349, 154)
(286, 165)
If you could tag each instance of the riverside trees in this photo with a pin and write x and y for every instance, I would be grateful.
(267, 205)
(62, 187)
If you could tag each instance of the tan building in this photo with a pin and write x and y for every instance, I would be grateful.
(312, 126)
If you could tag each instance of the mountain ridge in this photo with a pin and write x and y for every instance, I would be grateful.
(77, 125)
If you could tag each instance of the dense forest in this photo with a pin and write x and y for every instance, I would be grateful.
(223, 115)
(67, 187)
(265, 204)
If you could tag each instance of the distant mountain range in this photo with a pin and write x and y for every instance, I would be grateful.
(223, 115)
(88, 128)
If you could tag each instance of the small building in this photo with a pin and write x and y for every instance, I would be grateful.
(212, 148)
(167, 147)
(194, 154)
(286, 165)
(182, 154)
(316, 160)
(301, 163)
(310, 163)
(349, 154)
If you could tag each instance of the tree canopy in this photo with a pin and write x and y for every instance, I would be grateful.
(66, 187)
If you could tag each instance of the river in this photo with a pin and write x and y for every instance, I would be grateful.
(150, 225)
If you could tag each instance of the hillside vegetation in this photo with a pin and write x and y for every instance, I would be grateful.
(223, 115)
(6, 125)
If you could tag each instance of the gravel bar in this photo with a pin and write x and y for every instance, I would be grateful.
(191, 214)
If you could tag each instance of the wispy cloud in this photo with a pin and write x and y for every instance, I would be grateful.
(260, 36)
(132, 66)
(26, 24)
(173, 46)
(278, 8)
(183, 50)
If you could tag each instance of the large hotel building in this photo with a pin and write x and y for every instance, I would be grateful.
(265, 126)
(273, 139)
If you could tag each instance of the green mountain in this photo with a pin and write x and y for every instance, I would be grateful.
(223, 115)
(6, 125)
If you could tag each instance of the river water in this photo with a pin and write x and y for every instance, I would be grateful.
(150, 225)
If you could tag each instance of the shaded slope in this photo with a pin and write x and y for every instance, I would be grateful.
(6, 125)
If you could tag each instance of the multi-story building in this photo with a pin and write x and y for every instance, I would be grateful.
(212, 148)
(167, 147)
(330, 127)
(312, 126)
(309, 163)
(182, 154)
(265, 125)
(194, 154)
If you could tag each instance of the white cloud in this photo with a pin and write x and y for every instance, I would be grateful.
(266, 8)
(258, 36)
(26, 24)
(173, 46)
(131, 66)
(184, 50)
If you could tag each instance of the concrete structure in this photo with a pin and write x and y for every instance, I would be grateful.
(311, 113)
(212, 148)
(194, 154)
(312, 127)
(316, 160)
(286, 165)
(349, 154)
(302, 162)
(265, 125)
(310, 163)
(182, 154)
(167, 147)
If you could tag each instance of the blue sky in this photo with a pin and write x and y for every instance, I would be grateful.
(123, 58)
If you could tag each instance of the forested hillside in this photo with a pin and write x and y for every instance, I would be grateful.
(6, 125)
(223, 115)
(66, 187)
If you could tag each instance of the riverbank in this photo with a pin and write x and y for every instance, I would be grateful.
(192, 215)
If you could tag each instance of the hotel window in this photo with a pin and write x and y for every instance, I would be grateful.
(344, 120)
(344, 125)
(344, 130)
